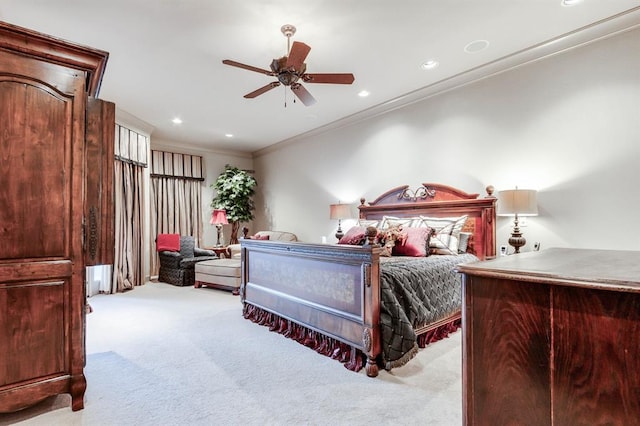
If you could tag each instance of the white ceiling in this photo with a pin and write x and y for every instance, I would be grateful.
(166, 55)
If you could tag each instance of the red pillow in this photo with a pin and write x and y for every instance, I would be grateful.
(168, 242)
(415, 243)
(354, 236)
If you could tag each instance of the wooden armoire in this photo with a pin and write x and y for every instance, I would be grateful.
(56, 210)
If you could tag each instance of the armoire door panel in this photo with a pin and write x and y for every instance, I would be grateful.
(35, 173)
(99, 205)
(32, 330)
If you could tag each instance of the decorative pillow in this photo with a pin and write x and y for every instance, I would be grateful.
(464, 241)
(168, 242)
(405, 222)
(389, 238)
(259, 237)
(415, 242)
(356, 235)
(446, 239)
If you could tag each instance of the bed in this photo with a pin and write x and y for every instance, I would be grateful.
(354, 304)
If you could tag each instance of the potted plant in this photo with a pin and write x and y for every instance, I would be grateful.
(234, 191)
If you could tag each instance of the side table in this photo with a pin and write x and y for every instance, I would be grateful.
(223, 252)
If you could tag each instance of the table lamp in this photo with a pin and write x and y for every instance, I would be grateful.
(517, 202)
(339, 212)
(219, 218)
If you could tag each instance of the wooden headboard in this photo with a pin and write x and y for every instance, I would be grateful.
(437, 200)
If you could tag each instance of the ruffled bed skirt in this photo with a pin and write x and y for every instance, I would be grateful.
(439, 333)
(351, 357)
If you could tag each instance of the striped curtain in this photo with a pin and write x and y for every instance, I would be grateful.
(128, 269)
(176, 198)
(131, 160)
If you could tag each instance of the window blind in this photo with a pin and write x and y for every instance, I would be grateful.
(131, 146)
(171, 164)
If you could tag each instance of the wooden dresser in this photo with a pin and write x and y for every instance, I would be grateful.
(56, 148)
(552, 338)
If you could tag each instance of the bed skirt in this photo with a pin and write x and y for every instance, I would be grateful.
(352, 358)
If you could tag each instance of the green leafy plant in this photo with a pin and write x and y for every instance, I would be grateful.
(234, 191)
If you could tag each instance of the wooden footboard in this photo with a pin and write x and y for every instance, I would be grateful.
(334, 290)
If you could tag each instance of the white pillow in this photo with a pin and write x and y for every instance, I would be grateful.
(406, 222)
(446, 239)
(464, 241)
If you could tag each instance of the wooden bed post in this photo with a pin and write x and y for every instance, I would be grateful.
(371, 338)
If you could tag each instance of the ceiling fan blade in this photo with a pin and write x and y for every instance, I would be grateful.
(302, 94)
(297, 55)
(247, 67)
(263, 89)
(329, 78)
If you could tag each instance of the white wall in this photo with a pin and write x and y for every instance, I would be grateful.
(214, 162)
(567, 125)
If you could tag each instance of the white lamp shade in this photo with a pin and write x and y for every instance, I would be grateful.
(522, 202)
(339, 211)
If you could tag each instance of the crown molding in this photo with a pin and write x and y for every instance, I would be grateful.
(132, 122)
(599, 30)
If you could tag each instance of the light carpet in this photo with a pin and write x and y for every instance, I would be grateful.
(165, 355)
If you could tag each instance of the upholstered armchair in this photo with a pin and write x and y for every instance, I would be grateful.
(177, 265)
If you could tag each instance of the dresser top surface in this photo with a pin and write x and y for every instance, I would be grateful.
(606, 269)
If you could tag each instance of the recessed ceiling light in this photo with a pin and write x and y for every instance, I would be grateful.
(476, 46)
(363, 94)
(228, 135)
(570, 2)
(176, 120)
(429, 65)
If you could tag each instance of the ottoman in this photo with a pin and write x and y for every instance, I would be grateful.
(219, 273)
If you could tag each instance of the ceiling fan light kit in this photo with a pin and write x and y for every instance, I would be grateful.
(288, 30)
(290, 70)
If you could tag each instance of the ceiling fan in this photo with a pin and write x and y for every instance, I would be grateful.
(290, 70)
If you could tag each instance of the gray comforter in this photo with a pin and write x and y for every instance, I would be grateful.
(415, 292)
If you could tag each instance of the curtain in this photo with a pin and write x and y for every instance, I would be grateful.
(176, 208)
(128, 268)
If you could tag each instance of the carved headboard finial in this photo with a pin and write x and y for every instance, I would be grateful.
(490, 190)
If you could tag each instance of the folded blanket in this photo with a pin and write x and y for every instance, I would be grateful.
(168, 242)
